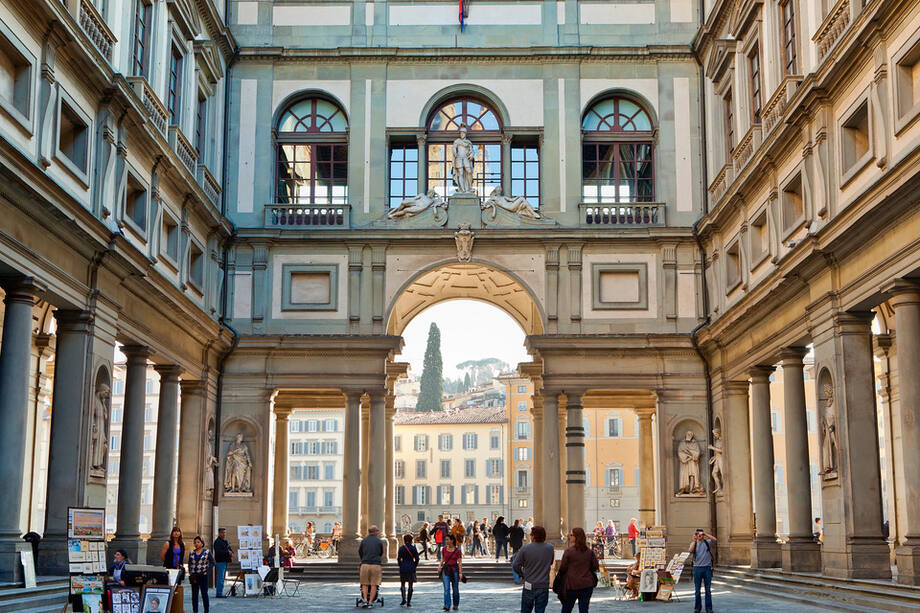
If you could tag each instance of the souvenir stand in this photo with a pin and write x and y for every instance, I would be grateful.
(86, 558)
(250, 559)
(652, 560)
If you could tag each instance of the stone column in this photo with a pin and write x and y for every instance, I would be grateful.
(563, 492)
(852, 482)
(351, 479)
(646, 466)
(736, 460)
(537, 512)
(127, 532)
(390, 468)
(164, 496)
(905, 298)
(376, 476)
(15, 349)
(575, 460)
(506, 165)
(885, 352)
(365, 457)
(422, 141)
(765, 551)
(67, 470)
(551, 485)
(280, 499)
(192, 446)
(801, 553)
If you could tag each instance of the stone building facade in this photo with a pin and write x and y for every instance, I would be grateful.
(690, 194)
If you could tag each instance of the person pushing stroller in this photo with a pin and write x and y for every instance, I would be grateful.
(371, 572)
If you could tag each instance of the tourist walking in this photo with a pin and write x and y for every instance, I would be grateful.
(451, 571)
(423, 538)
(701, 548)
(477, 539)
(516, 537)
(441, 530)
(500, 532)
(336, 536)
(533, 563)
(371, 572)
(173, 551)
(633, 532)
(599, 533)
(579, 567)
(200, 562)
(223, 555)
(407, 558)
(458, 532)
(484, 527)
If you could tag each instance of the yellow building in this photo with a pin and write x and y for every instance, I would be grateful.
(450, 462)
(519, 412)
(612, 466)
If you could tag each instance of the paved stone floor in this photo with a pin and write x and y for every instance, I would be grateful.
(485, 598)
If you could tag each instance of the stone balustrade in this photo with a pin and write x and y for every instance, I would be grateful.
(156, 110)
(719, 185)
(209, 184)
(187, 154)
(744, 151)
(837, 20)
(628, 215)
(93, 25)
(307, 216)
(776, 105)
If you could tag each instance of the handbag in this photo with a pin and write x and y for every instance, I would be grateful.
(559, 585)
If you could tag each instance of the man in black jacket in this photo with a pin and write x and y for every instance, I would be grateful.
(223, 555)
(500, 532)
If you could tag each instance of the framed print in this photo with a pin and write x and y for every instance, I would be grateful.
(243, 555)
(85, 523)
(242, 532)
(92, 603)
(156, 599)
(253, 584)
(125, 599)
(255, 534)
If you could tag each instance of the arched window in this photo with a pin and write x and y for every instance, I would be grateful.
(617, 153)
(312, 154)
(484, 130)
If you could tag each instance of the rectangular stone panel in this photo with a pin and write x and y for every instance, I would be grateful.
(309, 287)
(619, 286)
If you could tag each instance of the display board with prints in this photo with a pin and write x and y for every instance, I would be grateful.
(86, 557)
(249, 552)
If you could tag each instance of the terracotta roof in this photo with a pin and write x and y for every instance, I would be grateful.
(466, 415)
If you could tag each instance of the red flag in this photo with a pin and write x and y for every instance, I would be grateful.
(462, 15)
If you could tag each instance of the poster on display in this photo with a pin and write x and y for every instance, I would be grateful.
(92, 603)
(653, 557)
(87, 584)
(156, 599)
(648, 581)
(85, 523)
(125, 599)
(253, 584)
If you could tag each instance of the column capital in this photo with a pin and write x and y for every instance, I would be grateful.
(903, 291)
(22, 289)
(792, 355)
(73, 320)
(761, 373)
(283, 413)
(136, 353)
(854, 321)
(736, 388)
(193, 387)
(644, 413)
(168, 372)
(574, 399)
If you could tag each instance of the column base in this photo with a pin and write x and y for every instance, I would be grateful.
(801, 555)
(864, 559)
(393, 544)
(134, 547)
(737, 552)
(10, 564)
(766, 553)
(908, 561)
(348, 550)
(52, 555)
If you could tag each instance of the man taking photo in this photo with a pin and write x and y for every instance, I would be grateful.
(701, 548)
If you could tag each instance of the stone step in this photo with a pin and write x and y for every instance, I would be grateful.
(842, 594)
(50, 594)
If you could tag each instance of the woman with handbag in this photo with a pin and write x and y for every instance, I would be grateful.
(408, 559)
(200, 562)
(579, 567)
(450, 571)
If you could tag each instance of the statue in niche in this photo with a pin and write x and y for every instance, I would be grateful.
(516, 205)
(716, 461)
(688, 452)
(238, 468)
(210, 463)
(464, 157)
(828, 434)
(410, 207)
(99, 441)
(463, 237)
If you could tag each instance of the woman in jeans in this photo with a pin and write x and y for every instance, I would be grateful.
(451, 570)
(579, 564)
(200, 562)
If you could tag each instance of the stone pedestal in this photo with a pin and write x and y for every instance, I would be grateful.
(801, 555)
(766, 553)
(908, 561)
(464, 209)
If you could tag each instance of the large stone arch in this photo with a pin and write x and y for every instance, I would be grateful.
(476, 280)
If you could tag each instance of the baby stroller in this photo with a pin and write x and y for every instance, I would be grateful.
(360, 603)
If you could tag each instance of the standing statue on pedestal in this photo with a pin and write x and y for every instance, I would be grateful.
(99, 443)
(828, 434)
(517, 205)
(716, 461)
(210, 463)
(688, 452)
(464, 158)
(238, 468)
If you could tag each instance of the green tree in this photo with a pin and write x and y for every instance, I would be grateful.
(467, 384)
(431, 387)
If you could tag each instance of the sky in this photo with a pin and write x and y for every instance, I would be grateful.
(470, 330)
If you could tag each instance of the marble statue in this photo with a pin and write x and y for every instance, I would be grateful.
(688, 452)
(517, 205)
(210, 463)
(410, 207)
(99, 443)
(238, 468)
(828, 433)
(464, 239)
(464, 157)
(716, 460)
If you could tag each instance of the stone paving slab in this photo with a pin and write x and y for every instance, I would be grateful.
(483, 598)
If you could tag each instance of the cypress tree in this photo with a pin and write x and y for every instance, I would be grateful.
(431, 387)
(467, 384)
